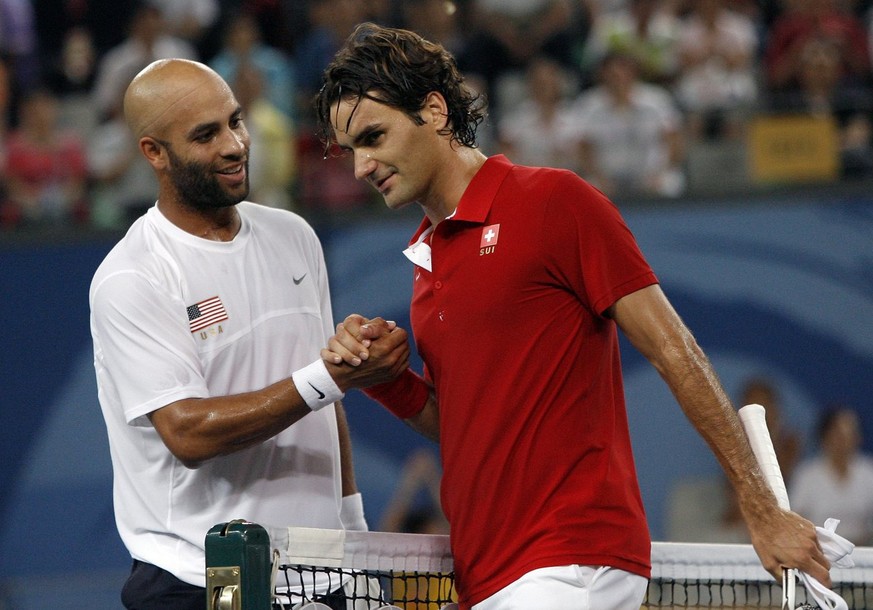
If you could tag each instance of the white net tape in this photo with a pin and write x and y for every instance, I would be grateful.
(684, 575)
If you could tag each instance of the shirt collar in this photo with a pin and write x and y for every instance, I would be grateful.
(476, 201)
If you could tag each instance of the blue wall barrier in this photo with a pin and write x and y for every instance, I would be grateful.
(783, 289)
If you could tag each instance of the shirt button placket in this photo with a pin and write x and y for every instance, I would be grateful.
(441, 314)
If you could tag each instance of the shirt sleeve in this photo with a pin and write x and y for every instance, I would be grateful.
(589, 246)
(143, 348)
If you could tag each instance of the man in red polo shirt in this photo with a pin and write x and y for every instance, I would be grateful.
(522, 277)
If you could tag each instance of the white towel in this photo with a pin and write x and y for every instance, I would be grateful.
(838, 551)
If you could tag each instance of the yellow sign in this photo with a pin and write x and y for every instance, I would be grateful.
(795, 148)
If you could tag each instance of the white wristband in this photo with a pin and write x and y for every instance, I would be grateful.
(352, 513)
(316, 386)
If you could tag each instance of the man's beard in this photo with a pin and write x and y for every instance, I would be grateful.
(199, 188)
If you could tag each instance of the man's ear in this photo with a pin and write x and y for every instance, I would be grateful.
(435, 110)
(154, 152)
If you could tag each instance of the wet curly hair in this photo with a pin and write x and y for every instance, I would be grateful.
(398, 68)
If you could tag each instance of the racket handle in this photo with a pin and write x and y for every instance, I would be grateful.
(754, 421)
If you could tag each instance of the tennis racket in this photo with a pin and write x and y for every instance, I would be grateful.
(753, 418)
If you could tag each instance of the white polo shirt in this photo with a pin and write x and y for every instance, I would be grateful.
(174, 316)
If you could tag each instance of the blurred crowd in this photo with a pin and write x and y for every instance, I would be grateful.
(618, 91)
(827, 473)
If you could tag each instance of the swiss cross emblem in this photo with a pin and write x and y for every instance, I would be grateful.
(489, 239)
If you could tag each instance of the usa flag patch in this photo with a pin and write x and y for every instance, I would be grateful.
(206, 313)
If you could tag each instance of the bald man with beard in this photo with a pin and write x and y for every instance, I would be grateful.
(207, 320)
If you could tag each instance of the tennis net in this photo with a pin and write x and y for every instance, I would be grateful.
(414, 572)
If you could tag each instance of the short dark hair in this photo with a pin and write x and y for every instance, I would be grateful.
(829, 416)
(398, 68)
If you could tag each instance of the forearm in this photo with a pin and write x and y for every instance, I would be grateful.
(781, 538)
(427, 421)
(659, 334)
(199, 429)
(410, 398)
(703, 400)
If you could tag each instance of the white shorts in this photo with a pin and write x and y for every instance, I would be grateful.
(572, 587)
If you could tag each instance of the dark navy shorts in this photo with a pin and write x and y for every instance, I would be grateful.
(152, 588)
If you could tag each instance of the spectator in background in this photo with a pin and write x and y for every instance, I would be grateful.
(506, 35)
(717, 84)
(326, 185)
(282, 24)
(70, 76)
(540, 131)
(598, 8)
(516, 31)
(647, 30)
(190, 20)
(45, 169)
(273, 153)
(820, 91)
(331, 21)
(822, 19)
(763, 12)
(244, 45)
(72, 70)
(406, 510)
(706, 509)
(123, 185)
(147, 40)
(5, 105)
(838, 481)
(415, 508)
(105, 20)
(437, 20)
(53, 19)
(19, 44)
(630, 133)
(786, 443)
(386, 12)
(446, 22)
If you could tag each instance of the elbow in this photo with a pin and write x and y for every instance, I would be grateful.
(190, 463)
(179, 432)
(189, 456)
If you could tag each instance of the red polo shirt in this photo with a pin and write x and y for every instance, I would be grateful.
(538, 469)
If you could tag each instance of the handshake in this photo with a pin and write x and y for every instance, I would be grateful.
(366, 352)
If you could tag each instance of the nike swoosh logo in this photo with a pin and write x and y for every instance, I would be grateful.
(297, 280)
(317, 391)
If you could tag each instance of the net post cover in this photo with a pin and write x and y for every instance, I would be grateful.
(238, 567)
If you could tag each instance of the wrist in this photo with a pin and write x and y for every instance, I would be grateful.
(405, 396)
(315, 385)
(352, 513)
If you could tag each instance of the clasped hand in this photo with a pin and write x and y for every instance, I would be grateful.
(366, 351)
